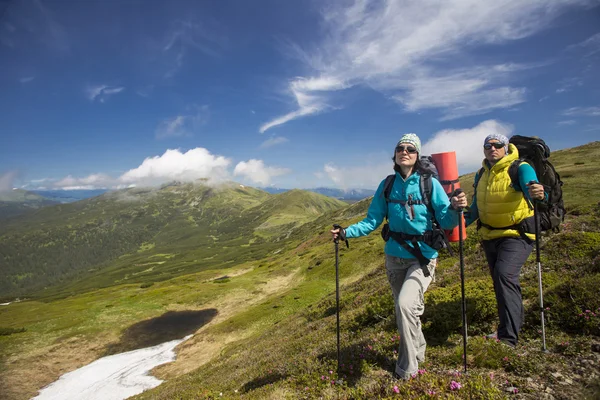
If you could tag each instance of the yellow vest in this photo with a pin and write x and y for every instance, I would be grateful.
(498, 203)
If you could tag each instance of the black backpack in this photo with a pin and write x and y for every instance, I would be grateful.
(535, 152)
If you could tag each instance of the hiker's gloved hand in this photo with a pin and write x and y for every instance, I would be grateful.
(458, 199)
(536, 191)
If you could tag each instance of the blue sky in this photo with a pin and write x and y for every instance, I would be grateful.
(301, 94)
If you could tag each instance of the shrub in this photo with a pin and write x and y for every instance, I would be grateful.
(571, 306)
(443, 311)
(10, 331)
(146, 285)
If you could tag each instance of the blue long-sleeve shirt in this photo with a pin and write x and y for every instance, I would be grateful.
(526, 175)
(398, 215)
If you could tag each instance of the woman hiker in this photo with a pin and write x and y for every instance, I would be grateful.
(409, 259)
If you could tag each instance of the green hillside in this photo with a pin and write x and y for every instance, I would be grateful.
(265, 322)
(18, 202)
(146, 235)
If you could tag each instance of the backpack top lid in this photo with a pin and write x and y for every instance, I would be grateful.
(532, 149)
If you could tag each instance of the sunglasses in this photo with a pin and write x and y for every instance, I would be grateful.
(409, 149)
(488, 146)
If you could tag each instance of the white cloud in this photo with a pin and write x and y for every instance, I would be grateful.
(582, 111)
(89, 182)
(6, 180)
(308, 101)
(366, 176)
(257, 172)
(274, 141)
(101, 93)
(183, 125)
(26, 79)
(194, 164)
(467, 143)
(411, 52)
(567, 122)
(591, 45)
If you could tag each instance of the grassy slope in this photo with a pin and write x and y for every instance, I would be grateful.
(275, 334)
(118, 237)
(17, 202)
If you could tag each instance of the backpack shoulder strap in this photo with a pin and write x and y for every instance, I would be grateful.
(387, 186)
(426, 187)
(387, 190)
(478, 178)
(513, 173)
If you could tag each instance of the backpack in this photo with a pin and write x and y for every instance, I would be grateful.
(535, 152)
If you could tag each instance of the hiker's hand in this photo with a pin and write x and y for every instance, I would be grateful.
(459, 201)
(536, 191)
(338, 233)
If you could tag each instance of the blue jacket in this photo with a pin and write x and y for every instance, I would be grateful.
(398, 217)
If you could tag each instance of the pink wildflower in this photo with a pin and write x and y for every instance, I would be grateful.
(422, 371)
(431, 392)
(455, 385)
(515, 390)
(396, 390)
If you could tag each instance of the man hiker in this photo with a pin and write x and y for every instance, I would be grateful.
(505, 220)
(411, 242)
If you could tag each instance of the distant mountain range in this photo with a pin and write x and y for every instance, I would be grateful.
(340, 194)
(69, 196)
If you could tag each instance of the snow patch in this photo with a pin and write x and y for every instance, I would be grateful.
(113, 377)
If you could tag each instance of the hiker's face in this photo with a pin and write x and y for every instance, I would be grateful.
(494, 154)
(406, 155)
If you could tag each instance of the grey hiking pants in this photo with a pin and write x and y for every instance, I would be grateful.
(505, 257)
(408, 288)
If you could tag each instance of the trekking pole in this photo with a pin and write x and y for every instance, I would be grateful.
(337, 292)
(536, 217)
(462, 285)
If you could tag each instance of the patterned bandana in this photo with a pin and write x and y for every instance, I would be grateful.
(499, 137)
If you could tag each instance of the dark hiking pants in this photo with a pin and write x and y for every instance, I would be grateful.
(505, 257)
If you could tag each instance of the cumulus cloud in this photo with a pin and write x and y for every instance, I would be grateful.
(366, 176)
(187, 166)
(257, 172)
(467, 143)
(412, 53)
(184, 125)
(274, 141)
(6, 180)
(101, 93)
(93, 181)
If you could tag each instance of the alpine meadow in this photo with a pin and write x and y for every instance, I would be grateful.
(251, 275)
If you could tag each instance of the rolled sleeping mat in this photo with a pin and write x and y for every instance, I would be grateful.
(448, 175)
